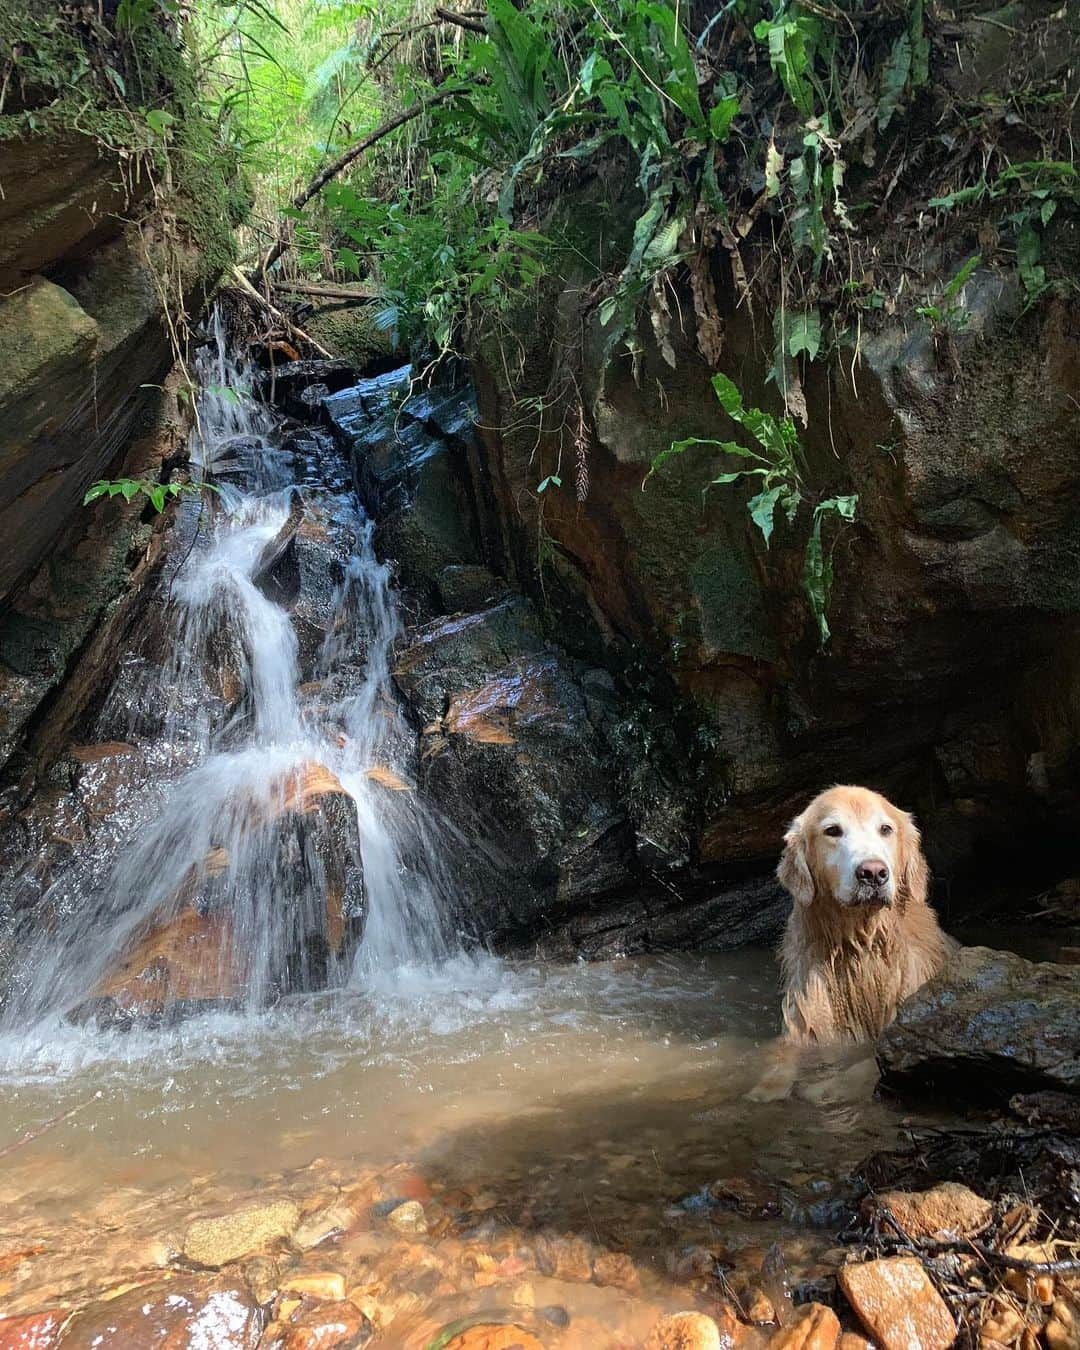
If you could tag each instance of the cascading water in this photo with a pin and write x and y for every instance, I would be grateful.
(264, 818)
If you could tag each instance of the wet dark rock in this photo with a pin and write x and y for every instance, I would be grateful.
(299, 387)
(467, 587)
(991, 1023)
(176, 1314)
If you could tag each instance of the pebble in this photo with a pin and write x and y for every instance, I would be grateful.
(948, 1209)
(615, 1270)
(216, 1242)
(1062, 1331)
(327, 1326)
(898, 1305)
(813, 1327)
(325, 1223)
(322, 1284)
(408, 1218)
(684, 1331)
(1038, 1287)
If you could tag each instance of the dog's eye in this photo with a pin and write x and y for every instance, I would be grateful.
(886, 829)
(834, 831)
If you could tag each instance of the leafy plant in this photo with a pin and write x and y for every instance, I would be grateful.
(776, 468)
(949, 312)
(158, 493)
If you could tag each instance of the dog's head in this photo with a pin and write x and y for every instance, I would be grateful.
(853, 847)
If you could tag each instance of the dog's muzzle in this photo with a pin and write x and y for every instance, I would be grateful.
(872, 884)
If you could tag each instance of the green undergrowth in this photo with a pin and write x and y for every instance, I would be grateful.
(132, 85)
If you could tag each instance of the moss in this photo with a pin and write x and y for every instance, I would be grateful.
(70, 76)
(350, 331)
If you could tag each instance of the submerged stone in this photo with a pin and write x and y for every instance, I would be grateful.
(174, 1315)
(216, 1242)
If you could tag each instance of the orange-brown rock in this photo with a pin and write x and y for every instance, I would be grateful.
(35, 1331)
(326, 1326)
(685, 1331)
(945, 1210)
(898, 1305)
(616, 1270)
(1003, 1326)
(851, 1340)
(1062, 1331)
(1031, 1284)
(191, 956)
(814, 1327)
(567, 1258)
(736, 1334)
(488, 715)
(170, 1315)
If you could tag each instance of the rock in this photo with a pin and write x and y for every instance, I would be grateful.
(327, 1285)
(1031, 1285)
(946, 1210)
(616, 1270)
(262, 1276)
(408, 1218)
(215, 1242)
(1062, 1331)
(335, 1218)
(565, 1258)
(190, 958)
(1004, 1326)
(991, 1023)
(173, 1315)
(684, 1331)
(898, 1305)
(850, 1340)
(326, 1326)
(34, 1331)
(813, 1327)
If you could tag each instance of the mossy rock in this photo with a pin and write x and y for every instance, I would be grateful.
(350, 331)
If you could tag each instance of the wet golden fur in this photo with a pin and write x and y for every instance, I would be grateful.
(848, 966)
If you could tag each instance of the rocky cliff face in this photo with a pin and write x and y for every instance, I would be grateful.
(951, 677)
(101, 236)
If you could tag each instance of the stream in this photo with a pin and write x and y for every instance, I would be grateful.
(251, 987)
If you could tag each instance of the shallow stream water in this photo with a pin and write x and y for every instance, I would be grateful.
(521, 1104)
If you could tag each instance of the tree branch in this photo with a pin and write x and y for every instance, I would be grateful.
(466, 21)
(332, 170)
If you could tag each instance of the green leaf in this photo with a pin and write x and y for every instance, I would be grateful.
(774, 167)
(129, 488)
(894, 79)
(95, 491)
(116, 80)
(727, 392)
(1028, 253)
(157, 497)
(159, 121)
(805, 334)
(953, 289)
(721, 117)
(607, 309)
(761, 510)
(552, 480)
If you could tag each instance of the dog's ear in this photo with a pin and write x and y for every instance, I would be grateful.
(913, 873)
(794, 871)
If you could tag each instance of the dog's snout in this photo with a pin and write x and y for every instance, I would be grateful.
(873, 872)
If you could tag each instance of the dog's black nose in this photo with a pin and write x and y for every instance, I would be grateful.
(874, 872)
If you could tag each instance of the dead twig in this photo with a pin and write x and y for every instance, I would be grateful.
(36, 1133)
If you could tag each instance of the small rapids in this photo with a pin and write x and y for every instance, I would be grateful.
(274, 824)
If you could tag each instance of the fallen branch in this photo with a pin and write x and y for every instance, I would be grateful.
(283, 241)
(31, 1135)
(471, 22)
(252, 294)
(326, 291)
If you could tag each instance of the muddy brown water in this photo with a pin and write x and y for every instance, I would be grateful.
(594, 1101)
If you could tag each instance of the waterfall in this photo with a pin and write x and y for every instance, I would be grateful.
(271, 827)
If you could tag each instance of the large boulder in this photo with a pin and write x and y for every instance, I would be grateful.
(991, 1022)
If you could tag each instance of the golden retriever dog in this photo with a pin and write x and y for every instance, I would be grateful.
(861, 937)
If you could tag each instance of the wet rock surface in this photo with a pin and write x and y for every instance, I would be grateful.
(990, 1023)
